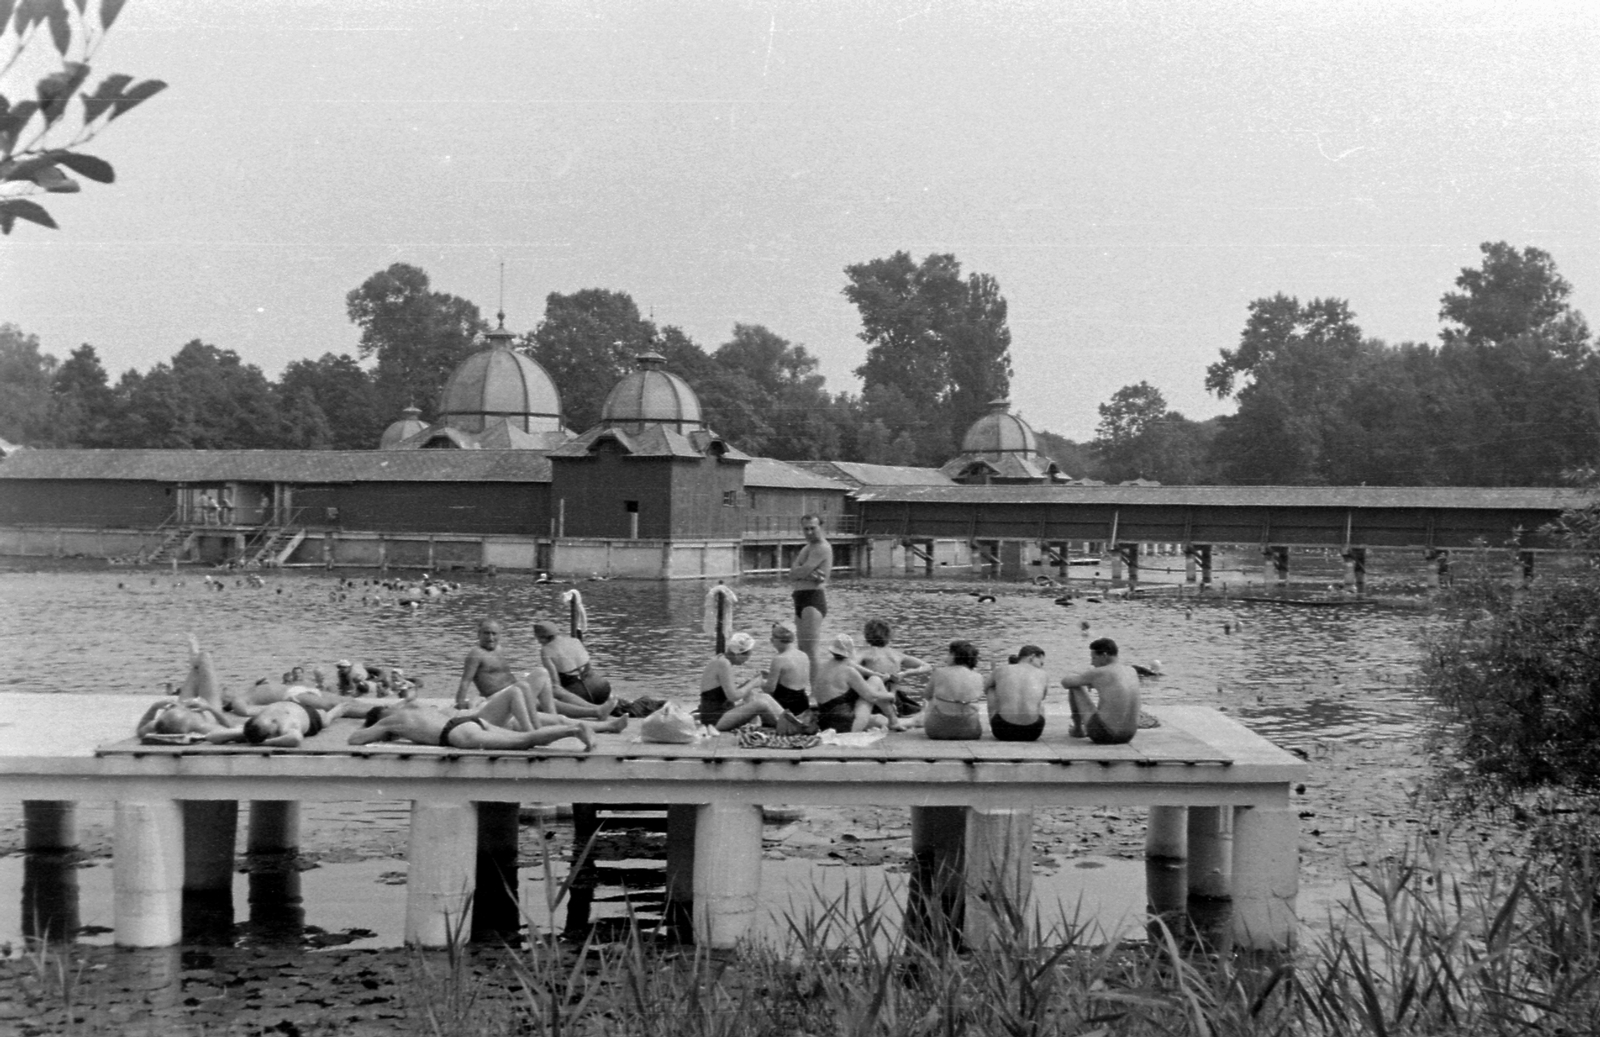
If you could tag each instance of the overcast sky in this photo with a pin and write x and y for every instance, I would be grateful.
(1132, 174)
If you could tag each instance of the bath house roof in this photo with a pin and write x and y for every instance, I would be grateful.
(284, 466)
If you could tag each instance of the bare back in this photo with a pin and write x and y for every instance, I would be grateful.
(1118, 687)
(1017, 691)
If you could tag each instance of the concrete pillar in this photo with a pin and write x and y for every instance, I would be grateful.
(49, 824)
(1189, 563)
(727, 872)
(1266, 877)
(678, 912)
(274, 826)
(1204, 551)
(1166, 833)
(495, 908)
(938, 897)
(1166, 892)
(50, 895)
(999, 872)
(147, 873)
(443, 857)
(1211, 852)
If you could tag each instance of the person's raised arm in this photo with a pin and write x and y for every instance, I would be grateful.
(147, 721)
(911, 666)
(1080, 679)
(466, 691)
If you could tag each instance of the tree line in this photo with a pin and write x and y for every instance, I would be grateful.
(937, 352)
(1510, 395)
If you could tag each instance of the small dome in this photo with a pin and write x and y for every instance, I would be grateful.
(652, 396)
(500, 383)
(410, 424)
(1000, 432)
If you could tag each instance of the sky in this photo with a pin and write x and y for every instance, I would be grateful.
(1132, 174)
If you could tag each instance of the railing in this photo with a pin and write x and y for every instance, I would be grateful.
(789, 525)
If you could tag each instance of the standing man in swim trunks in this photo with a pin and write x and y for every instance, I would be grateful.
(808, 575)
(1115, 719)
(1016, 692)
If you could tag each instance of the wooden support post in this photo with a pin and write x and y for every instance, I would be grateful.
(49, 824)
(1205, 565)
(999, 873)
(1266, 876)
(1166, 834)
(1280, 562)
(1211, 852)
(495, 907)
(442, 860)
(1526, 559)
(1355, 569)
(210, 830)
(679, 911)
(147, 873)
(274, 826)
(727, 872)
(1189, 563)
(938, 852)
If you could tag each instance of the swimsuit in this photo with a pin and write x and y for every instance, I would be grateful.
(952, 719)
(314, 717)
(1006, 731)
(838, 714)
(452, 724)
(810, 597)
(1099, 734)
(584, 683)
(713, 704)
(794, 700)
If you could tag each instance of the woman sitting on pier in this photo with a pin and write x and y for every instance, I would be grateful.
(954, 693)
(726, 703)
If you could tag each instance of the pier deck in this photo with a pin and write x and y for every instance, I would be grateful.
(1219, 793)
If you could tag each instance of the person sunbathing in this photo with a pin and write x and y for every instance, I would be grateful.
(484, 729)
(177, 717)
(283, 724)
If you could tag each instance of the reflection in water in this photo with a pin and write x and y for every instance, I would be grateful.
(277, 912)
(50, 894)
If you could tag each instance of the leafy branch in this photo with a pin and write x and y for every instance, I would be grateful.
(38, 140)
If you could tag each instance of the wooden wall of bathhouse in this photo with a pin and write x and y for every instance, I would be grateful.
(428, 507)
(778, 509)
(706, 499)
(596, 490)
(98, 503)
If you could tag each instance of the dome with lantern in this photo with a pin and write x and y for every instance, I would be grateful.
(652, 395)
(1000, 447)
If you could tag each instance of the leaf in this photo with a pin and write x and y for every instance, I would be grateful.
(109, 9)
(55, 181)
(15, 208)
(56, 89)
(110, 88)
(60, 27)
(13, 123)
(96, 169)
(143, 92)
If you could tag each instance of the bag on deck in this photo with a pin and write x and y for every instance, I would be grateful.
(671, 725)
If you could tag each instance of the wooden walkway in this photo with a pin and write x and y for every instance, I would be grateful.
(1218, 793)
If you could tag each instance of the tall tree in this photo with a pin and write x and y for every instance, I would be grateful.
(42, 129)
(1140, 438)
(1510, 294)
(345, 398)
(939, 342)
(418, 336)
(25, 376)
(587, 341)
(205, 399)
(82, 405)
(1290, 375)
(782, 395)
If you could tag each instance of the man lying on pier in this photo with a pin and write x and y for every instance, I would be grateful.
(487, 671)
(488, 728)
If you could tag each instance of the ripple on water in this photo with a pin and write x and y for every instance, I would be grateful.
(1291, 673)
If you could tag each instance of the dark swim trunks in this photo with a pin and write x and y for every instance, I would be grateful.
(452, 724)
(586, 684)
(794, 700)
(810, 597)
(1005, 731)
(714, 705)
(838, 714)
(1099, 734)
(313, 718)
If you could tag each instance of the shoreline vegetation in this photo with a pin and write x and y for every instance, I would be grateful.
(1458, 933)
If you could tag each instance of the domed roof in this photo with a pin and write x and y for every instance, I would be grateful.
(499, 382)
(1000, 432)
(410, 424)
(652, 396)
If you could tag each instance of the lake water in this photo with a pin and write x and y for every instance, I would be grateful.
(1302, 677)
